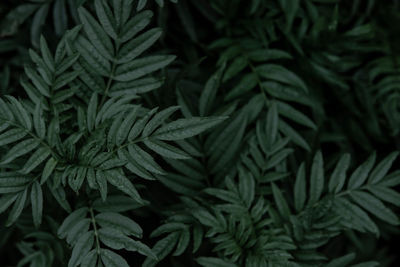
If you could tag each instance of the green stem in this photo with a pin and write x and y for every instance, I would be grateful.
(96, 233)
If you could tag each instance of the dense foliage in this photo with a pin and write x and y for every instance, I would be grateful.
(214, 133)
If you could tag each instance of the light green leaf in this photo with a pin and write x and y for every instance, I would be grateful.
(37, 203)
(140, 67)
(120, 223)
(316, 179)
(184, 128)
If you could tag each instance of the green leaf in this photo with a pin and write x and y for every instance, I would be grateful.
(71, 220)
(272, 124)
(90, 259)
(262, 55)
(120, 223)
(280, 201)
(162, 248)
(36, 158)
(375, 207)
(166, 150)
(126, 126)
(46, 54)
(386, 194)
(158, 120)
(238, 64)
(291, 113)
(382, 168)
(140, 125)
(11, 136)
(17, 208)
(355, 217)
(20, 112)
(122, 183)
(140, 67)
(106, 18)
(38, 82)
(342, 261)
(290, 8)
(293, 135)
(209, 92)
(6, 201)
(183, 242)
(316, 179)
(214, 262)
(246, 187)
(91, 112)
(359, 176)
(19, 150)
(81, 249)
(48, 169)
(77, 231)
(281, 74)
(184, 128)
(144, 159)
(135, 25)
(101, 181)
(38, 122)
(37, 203)
(300, 194)
(96, 34)
(138, 45)
(338, 176)
(112, 259)
(246, 84)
